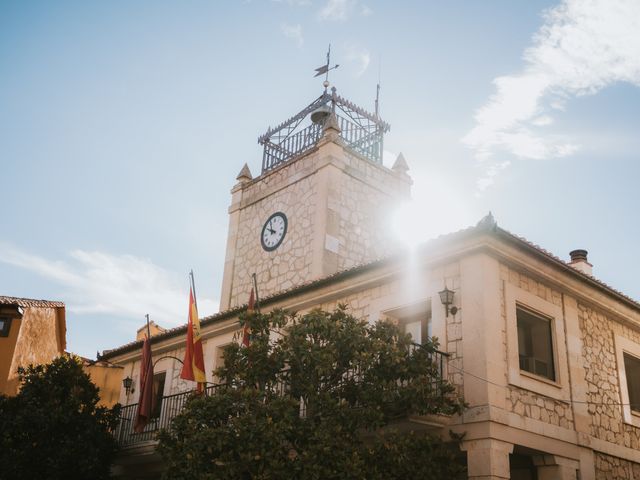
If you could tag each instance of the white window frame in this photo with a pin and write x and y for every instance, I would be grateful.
(558, 388)
(624, 345)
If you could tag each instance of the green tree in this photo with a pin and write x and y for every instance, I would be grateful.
(53, 428)
(315, 397)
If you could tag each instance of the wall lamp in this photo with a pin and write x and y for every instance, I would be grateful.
(446, 297)
(127, 383)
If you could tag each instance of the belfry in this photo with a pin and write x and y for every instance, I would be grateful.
(321, 203)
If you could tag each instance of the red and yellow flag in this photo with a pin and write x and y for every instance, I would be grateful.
(193, 367)
(146, 401)
(246, 332)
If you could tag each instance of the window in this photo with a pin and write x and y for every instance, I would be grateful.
(5, 326)
(158, 393)
(418, 327)
(632, 372)
(414, 319)
(219, 360)
(535, 346)
(628, 361)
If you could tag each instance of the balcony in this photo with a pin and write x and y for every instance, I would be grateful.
(172, 405)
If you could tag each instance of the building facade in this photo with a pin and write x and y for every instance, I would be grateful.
(546, 356)
(31, 332)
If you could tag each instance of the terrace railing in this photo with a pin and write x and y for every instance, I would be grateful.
(172, 405)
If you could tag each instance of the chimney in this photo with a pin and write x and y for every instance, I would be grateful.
(579, 261)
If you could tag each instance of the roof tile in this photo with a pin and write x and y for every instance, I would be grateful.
(30, 302)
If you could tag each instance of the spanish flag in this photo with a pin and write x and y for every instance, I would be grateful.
(193, 367)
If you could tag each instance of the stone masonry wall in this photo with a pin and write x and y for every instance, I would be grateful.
(530, 285)
(360, 195)
(539, 407)
(521, 401)
(613, 468)
(364, 204)
(598, 333)
(290, 264)
(359, 303)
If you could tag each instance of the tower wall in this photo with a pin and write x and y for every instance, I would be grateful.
(338, 206)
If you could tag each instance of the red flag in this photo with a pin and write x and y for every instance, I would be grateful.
(193, 366)
(145, 403)
(246, 332)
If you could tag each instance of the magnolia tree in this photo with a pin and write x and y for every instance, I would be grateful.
(316, 396)
(54, 427)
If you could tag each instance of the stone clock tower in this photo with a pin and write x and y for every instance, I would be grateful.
(322, 203)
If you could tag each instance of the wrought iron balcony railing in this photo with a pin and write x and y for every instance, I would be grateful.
(172, 405)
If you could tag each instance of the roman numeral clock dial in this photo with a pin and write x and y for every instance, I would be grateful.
(273, 231)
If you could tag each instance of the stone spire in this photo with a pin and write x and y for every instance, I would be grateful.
(400, 165)
(245, 175)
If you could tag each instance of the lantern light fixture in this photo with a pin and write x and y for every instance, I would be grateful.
(446, 298)
(127, 383)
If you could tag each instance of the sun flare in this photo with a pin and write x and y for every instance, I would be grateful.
(435, 210)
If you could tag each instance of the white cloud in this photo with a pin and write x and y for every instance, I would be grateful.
(120, 285)
(582, 47)
(542, 120)
(294, 32)
(337, 10)
(342, 10)
(358, 58)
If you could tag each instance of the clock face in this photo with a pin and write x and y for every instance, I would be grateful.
(273, 232)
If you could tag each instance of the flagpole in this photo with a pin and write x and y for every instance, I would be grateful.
(255, 288)
(200, 385)
(148, 327)
(193, 288)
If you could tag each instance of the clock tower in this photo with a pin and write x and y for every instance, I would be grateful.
(321, 204)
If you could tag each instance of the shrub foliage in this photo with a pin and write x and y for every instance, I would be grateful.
(316, 396)
(53, 428)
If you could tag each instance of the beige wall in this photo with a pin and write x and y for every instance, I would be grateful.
(7, 348)
(108, 378)
(40, 337)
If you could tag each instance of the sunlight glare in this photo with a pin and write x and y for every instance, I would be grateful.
(435, 210)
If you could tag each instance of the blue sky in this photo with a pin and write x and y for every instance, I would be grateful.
(123, 126)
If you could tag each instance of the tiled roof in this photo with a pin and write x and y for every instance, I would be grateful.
(577, 272)
(486, 225)
(30, 302)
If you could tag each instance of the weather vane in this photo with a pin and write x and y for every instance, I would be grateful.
(325, 69)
